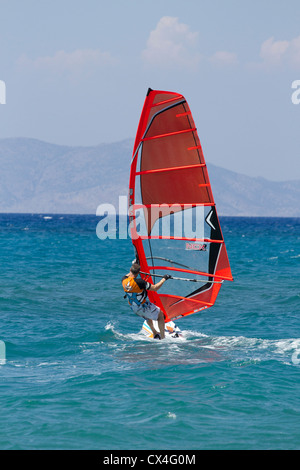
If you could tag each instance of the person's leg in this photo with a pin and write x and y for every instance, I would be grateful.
(150, 323)
(152, 312)
(161, 324)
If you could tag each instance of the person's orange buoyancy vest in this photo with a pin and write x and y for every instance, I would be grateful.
(133, 292)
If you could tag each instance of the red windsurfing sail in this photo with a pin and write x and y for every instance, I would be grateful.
(173, 218)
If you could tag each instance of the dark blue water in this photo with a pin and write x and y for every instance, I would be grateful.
(79, 374)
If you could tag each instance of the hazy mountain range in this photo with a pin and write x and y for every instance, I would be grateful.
(38, 177)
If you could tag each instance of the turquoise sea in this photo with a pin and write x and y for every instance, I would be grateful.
(78, 373)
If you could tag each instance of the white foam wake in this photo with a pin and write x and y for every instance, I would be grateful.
(227, 347)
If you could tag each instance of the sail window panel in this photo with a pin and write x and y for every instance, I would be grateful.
(138, 221)
(138, 194)
(135, 192)
(177, 254)
(177, 221)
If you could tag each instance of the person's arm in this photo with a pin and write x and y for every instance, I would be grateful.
(156, 287)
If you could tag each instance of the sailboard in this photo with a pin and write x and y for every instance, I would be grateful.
(171, 330)
(173, 218)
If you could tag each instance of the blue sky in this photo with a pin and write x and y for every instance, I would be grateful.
(76, 73)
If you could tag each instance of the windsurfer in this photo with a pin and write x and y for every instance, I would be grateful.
(136, 291)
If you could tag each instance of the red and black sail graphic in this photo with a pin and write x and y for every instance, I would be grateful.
(173, 218)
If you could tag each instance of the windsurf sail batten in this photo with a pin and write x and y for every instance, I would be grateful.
(169, 190)
(189, 271)
(184, 279)
(172, 169)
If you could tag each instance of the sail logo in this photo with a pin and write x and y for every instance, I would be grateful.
(296, 94)
(2, 92)
(195, 246)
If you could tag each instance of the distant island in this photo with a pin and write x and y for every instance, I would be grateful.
(39, 177)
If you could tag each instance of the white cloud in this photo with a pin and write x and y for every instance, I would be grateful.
(272, 52)
(171, 43)
(276, 53)
(62, 61)
(223, 58)
(294, 52)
